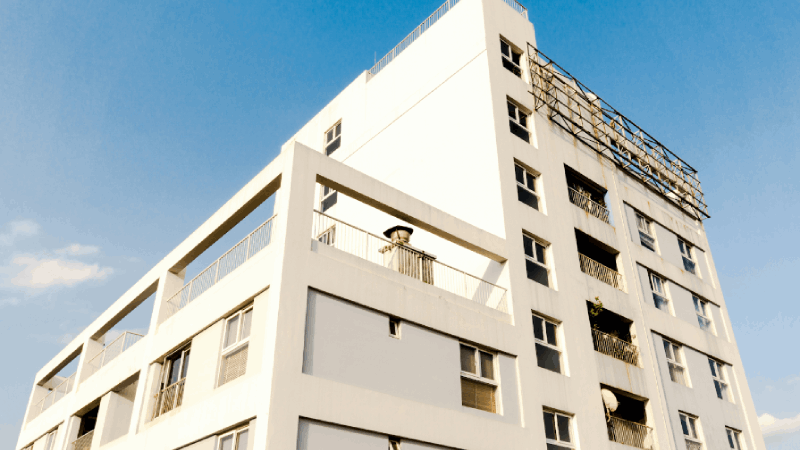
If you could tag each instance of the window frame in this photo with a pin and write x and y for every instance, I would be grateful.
(718, 375)
(687, 255)
(237, 345)
(513, 50)
(546, 344)
(478, 376)
(336, 129)
(395, 443)
(520, 113)
(169, 364)
(534, 258)
(558, 441)
(737, 438)
(662, 293)
(533, 191)
(397, 324)
(326, 193)
(677, 358)
(693, 423)
(703, 313)
(235, 433)
(642, 221)
(50, 440)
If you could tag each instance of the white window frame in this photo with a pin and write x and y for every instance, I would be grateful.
(50, 440)
(518, 113)
(718, 375)
(336, 131)
(645, 226)
(687, 254)
(533, 258)
(478, 375)
(547, 344)
(323, 195)
(394, 443)
(675, 357)
(512, 49)
(693, 426)
(525, 174)
(734, 438)
(701, 308)
(235, 434)
(397, 324)
(658, 280)
(239, 343)
(558, 441)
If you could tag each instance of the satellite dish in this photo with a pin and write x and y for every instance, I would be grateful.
(609, 399)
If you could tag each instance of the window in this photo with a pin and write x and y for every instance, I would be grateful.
(511, 58)
(173, 380)
(394, 443)
(518, 121)
(235, 440)
(333, 138)
(718, 374)
(734, 438)
(545, 334)
(677, 370)
(703, 313)
(234, 347)
(686, 253)
(50, 441)
(689, 424)
(394, 327)
(526, 187)
(645, 227)
(329, 198)
(477, 379)
(659, 292)
(535, 262)
(557, 431)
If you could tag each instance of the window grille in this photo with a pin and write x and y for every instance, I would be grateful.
(545, 334)
(511, 58)
(557, 431)
(718, 374)
(235, 345)
(333, 138)
(645, 227)
(535, 260)
(478, 383)
(518, 122)
(677, 369)
(526, 187)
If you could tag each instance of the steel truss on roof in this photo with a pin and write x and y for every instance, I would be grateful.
(576, 109)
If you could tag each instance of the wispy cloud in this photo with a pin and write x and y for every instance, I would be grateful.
(36, 272)
(771, 426)
(78, 250)
(18, 229)
(12, 301)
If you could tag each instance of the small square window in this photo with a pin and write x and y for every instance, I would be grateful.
(734, 438)
(333, 138)
(548, 354)
(394, 327)
(518, 122)
(235, 440)
(535, 260)
(526, 186)
(646, 237)
(690, 426)
(657, 286)
(686, 253)
(511, 57)
(557, 430)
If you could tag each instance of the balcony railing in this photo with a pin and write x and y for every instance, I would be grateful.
(119, 345)
(58, 392)
(615, 347)
(585, 203)
(693, 445)
(407, 261)
(605, 274)
(169, 398)
(630, 433)
(514, 4)
(83, 443)
(256, 241)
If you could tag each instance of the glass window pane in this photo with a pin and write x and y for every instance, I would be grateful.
(718, 388)
(668, 349)
(549, 425)
(525, 196)
(519, 172)
(530, 181)
(487, 365)
(730, 439)
(330, 135)
(246, 321)
(185, 365)
(693, 427)
(538, 328)
(547, 358)
(505, 49)
(563, 428)
(512, 111)
(551, 333)
(523, 119)
(174, 371)
(676, 353)
(233, 328)
(540, 253)
(684, 425)
(515, 57)
(241, 442)
(338, 129)
(712, 364)
(537, 273)
(226, 443)
(527, 244)
(468, 359)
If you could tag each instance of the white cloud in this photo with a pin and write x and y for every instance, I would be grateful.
(770, 425)
(78, 249)
(9, 302)
(41, 273)
(19, 228)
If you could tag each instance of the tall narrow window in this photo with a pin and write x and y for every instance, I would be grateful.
(235, 440)
(689, 425)
(686, 254)
(548, 354)
(558, 431)
(511, 57)
(703, 313)
(50, 440)
(478, 383)
(333, 138)
(645, 227)
(659, 292)
(535, 261)
(677, 369)
(328, 198)
(526, 187)
(718, 374)
(394, 327)
(173, 379)
(734, 438)
(518, 122)
(235, 345)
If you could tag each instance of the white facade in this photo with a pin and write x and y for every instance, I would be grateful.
(337, 345)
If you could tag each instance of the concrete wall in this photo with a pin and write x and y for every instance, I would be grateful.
(313, 435)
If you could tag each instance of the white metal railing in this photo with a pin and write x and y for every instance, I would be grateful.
(245, 249)
(677, 374)
(169, 398)
(605, 274)
(517, 6)
(585, 203)
(115, 348)
(630, 433)
(83, 443)
(693, 445)
(56, 394)
(407, 261)
(615, 347)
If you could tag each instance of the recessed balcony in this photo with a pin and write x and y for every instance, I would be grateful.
(587, 195)
(63, 387)
(598, 261)
(611, 334)
(115, 348)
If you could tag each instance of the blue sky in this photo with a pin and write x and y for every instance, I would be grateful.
(123, 127)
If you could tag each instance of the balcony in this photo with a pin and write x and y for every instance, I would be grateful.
(605, 274)
(118, 346)
(598, 260)
(406, 260)
(169, 398)
(585, 203)
(248, 247)
(83, 443)
(586, 194)
(611, 334)
(615, 347)
(630, 433)
(56, 394)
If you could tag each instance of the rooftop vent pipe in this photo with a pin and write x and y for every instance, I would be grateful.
(399, 234)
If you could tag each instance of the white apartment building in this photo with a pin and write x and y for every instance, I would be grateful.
(544, 281)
